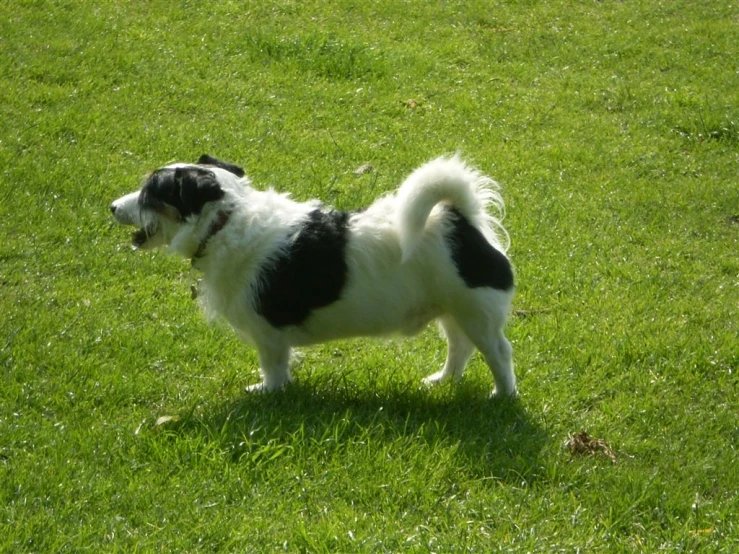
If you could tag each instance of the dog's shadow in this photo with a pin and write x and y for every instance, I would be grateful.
(485, 438)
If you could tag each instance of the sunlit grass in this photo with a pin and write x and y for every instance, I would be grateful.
(613, 130)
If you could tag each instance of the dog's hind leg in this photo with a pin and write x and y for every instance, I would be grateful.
(500, 361)
(482, 321)
(459, 351)
(498, 354)
(274, 366)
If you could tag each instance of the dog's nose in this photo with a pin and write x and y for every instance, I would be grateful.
(112, 208)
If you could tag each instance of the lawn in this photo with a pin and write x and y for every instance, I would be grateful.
(613, 128)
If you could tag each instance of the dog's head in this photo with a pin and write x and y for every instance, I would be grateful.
(174, 196)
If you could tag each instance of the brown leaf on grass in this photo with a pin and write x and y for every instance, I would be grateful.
(582, 443)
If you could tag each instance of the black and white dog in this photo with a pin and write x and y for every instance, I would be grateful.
(286, 273)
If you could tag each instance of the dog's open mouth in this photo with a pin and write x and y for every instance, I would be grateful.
(141, 237)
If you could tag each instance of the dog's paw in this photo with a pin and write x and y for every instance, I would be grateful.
(265, 387)
(498, 394)
(435, 379)
(442, 377)
(256, 388)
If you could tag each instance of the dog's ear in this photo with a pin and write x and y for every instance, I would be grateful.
(196, 188)
(206, 159)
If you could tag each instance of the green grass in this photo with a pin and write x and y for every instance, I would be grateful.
(613, 129)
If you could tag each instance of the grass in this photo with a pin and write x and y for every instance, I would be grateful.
(613, 129)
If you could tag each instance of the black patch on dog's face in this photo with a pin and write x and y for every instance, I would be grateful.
(206, 159)
(310, 274)
(478, 263)
(184, 189)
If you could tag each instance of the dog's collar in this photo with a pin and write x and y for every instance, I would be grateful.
(216, 225)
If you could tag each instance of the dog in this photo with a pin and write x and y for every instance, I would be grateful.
(286, 273)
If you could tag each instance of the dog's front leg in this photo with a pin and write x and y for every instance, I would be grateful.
(274, 362)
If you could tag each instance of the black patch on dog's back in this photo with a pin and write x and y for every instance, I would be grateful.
(309, 274)
(478, 262)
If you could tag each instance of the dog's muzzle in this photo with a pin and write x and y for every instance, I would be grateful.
(126, 210)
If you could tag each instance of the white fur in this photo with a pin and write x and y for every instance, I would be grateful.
(401, 275)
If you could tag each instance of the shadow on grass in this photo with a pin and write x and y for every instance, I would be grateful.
(486, 438)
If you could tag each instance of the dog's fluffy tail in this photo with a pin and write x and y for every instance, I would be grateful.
(449, 181)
